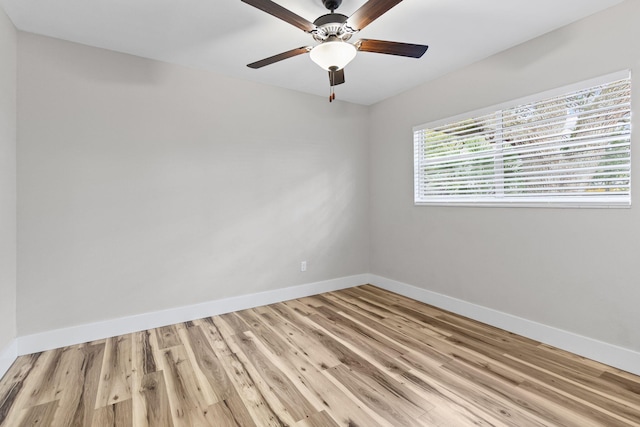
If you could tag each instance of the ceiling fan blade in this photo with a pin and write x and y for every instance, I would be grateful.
(336, 77)
(369, 12)
(392, 48)
(282, 13)
(279, 57)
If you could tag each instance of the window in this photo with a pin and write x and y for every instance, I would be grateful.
(567, 150)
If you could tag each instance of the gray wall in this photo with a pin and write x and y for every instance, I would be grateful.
(573, 269)
(145, 186)
(8, 67)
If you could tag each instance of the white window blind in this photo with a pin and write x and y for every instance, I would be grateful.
(566, 150)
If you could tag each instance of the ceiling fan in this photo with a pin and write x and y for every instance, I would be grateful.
(333, 31)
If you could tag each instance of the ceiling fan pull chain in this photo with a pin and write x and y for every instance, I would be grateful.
(332, 83)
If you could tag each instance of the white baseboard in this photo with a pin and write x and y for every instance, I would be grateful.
(8, 356)
(609, 354)
(94, 331)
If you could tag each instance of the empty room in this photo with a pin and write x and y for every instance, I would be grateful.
(319, 213)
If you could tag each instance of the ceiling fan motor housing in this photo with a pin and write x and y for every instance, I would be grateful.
(331, 25)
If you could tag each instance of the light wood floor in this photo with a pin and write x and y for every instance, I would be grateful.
(358, 357)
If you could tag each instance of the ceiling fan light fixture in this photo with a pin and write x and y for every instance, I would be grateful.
(334, 54)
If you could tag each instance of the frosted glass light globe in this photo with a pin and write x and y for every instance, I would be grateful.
(333, 54)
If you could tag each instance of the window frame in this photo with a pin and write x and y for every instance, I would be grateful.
(612, 202)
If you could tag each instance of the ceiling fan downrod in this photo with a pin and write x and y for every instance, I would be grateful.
(332, 4)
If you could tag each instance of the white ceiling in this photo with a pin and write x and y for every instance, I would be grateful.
(225, 35)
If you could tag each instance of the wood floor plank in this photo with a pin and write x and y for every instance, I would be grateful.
(631, 385)
(206, 360)
(253, 400)
(444, 417)
(356, 357)
(517, 396)
(362, 311)
(13, 382)
(220, 415)
(144, 353)
(367, 371)
(156, 411)
(233, 323)
(627, 375)
(298, 307)
(212, 334)
(457, 400)
(299, 336)
(116, 415)
(449, 412)
(61, 381)
(167, 336)
(199, 346)
(230, 412)
(44, 390)
(550, 380)
(277, 389)
(143, 363)
(474, 397)
(406, 335)
(34, 382)
(389, 316)
(364, 376)
(360, 336)
(319, 419)
(40, 415)
(394, 410)
(261, 322)
(314, 385)
(94, 355)
(187, 400)
(77, 399)
(573, 411)
(582, 378)
(338, 300)
(115, 378)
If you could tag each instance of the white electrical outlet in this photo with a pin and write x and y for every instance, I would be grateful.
(303, 266)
